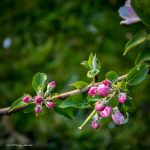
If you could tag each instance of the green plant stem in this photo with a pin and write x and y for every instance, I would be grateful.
(88, 119)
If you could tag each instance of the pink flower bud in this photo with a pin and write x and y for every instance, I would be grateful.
(122, 97)
(103, 90)
(52, 84)
(38, 99)
(107, 82)
(99, 106)
(118, 118)
(95, 124)
(106, 112)
(92, 91)
(38, 109)
(26, 99)
(51, 104)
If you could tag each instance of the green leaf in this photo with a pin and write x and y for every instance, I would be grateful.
(38, 81)
(17, 104)
(85, 65)
(92, 73)
(75, 101)
(112, 76)
(129, 103)
(29, 108)
(65, 112)
(136, 76)
(113, 102)
(95, 63)
(91, 99)
(79, 84)
(142, 57)
(142, 9)
(137, 39)
(122, 85)
(90, 60)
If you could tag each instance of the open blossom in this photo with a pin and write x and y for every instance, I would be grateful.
(128, 14)
(122, 97)
(103, 90)
(92, 91)
(106, 112)
(118, 118)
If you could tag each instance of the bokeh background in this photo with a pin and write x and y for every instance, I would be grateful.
(54, 36)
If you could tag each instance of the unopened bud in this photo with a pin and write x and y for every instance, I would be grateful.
(26, 99)
(38, 99)
(51, 104)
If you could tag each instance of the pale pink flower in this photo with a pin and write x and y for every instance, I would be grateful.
(106, 112)
(118, 118)
(128, 14)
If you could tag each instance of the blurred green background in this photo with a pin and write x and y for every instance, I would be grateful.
(54, 36)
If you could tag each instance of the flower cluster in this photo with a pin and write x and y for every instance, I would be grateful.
(102, 108)
(39, 100)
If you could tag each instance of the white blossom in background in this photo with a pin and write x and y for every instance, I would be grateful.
(127, 13)
(7, 43)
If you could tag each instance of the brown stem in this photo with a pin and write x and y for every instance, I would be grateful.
(4, 111)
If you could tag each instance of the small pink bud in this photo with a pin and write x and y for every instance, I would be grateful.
(95, 124)
(118, 118)
(92, 91)
(26, 99)
(99, 106)
(38, 109)
(122, 97)
(52, 84)
(106, 112)
(103, 90)
(38, 99)
(107, 82)
(51, 104)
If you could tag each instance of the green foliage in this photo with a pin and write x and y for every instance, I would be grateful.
(85, 64)
(142, 9)
(112, 76)
(79, 84)
(93, 66)
(92, 73)
(91, 99)
(64, 112)
(38, 81)
(75, 101)
(17, 104)
(143, 56)
(135, 76)
(122, 85)
(137, 39)
(29, 108)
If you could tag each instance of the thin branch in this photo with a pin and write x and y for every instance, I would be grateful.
(4, 111)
